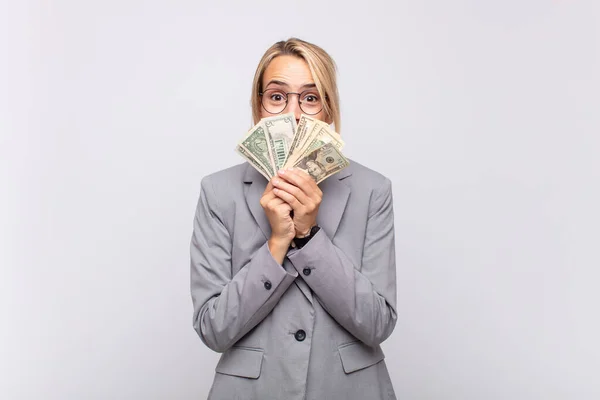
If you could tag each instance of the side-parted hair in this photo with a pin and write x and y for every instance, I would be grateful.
(323, 70)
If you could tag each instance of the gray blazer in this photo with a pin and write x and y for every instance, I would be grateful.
(312, 327)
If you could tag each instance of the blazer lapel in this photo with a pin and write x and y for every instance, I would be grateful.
(254, 191)
(335, 196)
(302, 286)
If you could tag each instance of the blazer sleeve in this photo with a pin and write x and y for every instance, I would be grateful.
(227, 306)
(362, 300)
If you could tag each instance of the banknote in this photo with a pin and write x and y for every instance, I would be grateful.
(278, 142)
(320, 135)
(257, 144)
(255, 163)
(305, 127)
(323, 162)
(280, 131)
(304, 141)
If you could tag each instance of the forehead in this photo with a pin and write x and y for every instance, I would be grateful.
(290, 70)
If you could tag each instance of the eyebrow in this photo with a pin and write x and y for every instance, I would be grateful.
(281, 83)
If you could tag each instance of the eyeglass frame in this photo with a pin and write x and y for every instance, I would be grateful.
(287, 96)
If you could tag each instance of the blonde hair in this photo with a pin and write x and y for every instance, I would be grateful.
(321, 65)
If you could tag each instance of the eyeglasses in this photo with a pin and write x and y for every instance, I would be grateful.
(274, 101)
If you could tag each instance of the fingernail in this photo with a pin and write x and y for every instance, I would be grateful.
(276, 182)
(281, 171)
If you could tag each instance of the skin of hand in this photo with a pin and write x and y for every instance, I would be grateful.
(282, 225)
(301, 192)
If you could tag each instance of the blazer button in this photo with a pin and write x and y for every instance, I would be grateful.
(306, 271)
(268, 285)
(300, 335)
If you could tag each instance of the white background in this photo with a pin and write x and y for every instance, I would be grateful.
(485, 115)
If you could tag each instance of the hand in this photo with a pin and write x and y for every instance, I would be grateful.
(301, 192)
(282, 225)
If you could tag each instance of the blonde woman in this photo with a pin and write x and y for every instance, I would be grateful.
(298, 302)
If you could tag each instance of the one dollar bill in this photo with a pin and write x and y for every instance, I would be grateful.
(256, 143)
(241, 150)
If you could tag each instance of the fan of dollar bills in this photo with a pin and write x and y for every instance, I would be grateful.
(278, 142)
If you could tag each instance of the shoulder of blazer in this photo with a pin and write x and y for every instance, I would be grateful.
(224, 186)
(366, 178)
(229, 175)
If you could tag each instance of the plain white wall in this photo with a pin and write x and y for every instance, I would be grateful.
(485, 115)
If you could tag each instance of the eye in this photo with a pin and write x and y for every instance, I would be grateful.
(311, 98)
(276, 97)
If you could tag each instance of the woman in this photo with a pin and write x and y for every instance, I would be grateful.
(298, 302)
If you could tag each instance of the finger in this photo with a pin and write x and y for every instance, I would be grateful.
(292, 176)
(274, 202)
(279, 204)
(266, 198)
(303, 181)
(288, 198)
(310, 181)
(293, 190)
(268, 193)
